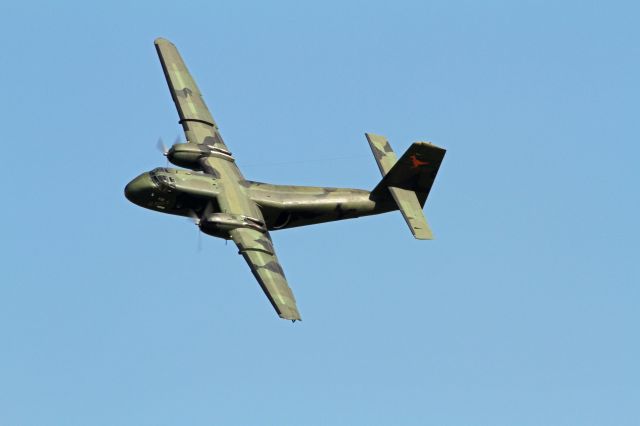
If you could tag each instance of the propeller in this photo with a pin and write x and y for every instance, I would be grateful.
(160, 146)
(197, 220)
(193, 216)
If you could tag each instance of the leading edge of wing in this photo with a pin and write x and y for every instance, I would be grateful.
(257, 250)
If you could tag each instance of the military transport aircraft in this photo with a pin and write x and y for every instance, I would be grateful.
(215, 194)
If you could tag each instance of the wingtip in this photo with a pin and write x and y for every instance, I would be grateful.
(161, 40)
(424, 237)
(292, 318)
(422, 234)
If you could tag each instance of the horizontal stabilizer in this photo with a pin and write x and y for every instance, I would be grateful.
(411, 210)
(384, 155)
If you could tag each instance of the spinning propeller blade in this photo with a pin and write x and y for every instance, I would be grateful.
(162, 147)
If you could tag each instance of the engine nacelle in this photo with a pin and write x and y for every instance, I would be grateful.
(187, 155)
(222, 223)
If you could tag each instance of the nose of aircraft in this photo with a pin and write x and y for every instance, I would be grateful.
(137, 189)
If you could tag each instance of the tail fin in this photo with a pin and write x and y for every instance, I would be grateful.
(408, 179)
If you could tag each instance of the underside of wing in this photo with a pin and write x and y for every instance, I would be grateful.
(196, 120)
(257, 249)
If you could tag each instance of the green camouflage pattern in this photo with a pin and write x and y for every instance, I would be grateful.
(211, 190)
(384, 155)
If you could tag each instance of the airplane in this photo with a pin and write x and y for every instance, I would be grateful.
(210, 189)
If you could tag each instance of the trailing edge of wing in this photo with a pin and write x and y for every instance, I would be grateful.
(257, 249)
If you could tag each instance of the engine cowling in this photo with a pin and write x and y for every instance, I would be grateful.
(226, 222)
(187, 155)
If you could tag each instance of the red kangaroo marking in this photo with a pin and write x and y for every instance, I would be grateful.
(417, 163)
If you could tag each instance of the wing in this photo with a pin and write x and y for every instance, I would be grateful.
(257, 249)
(196, 120)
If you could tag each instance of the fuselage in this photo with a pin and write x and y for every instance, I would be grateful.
(194, 194)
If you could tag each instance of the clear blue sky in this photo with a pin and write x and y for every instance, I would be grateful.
(523, 311)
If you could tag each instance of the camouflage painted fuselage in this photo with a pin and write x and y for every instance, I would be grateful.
(183, 192)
